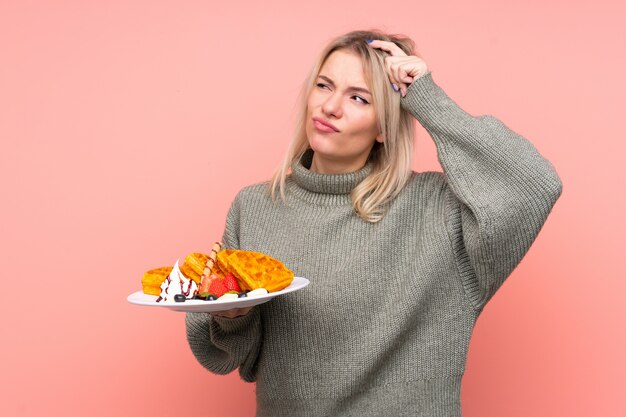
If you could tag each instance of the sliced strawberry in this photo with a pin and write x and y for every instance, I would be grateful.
(231, 283)
(217, 287)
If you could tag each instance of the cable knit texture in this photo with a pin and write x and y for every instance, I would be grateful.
(384, 326)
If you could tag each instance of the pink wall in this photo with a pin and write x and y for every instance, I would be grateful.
(128, 126)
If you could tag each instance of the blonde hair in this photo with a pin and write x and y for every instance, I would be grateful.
(392, 159)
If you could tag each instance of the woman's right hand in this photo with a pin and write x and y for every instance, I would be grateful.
(232, 313)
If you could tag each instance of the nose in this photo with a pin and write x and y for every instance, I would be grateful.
(332, 105)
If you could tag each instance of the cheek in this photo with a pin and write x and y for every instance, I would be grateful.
(313, 100)
(365, 123)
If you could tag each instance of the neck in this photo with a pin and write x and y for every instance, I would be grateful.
(324, 166)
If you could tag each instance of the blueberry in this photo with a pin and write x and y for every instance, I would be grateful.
(179, 298)
(243, 295)
(210, 297)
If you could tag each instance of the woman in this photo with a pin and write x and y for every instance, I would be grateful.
(401, 264)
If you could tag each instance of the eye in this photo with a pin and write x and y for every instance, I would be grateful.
(362, 99)
(321, 85)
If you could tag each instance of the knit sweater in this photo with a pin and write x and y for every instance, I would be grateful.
(384, 327)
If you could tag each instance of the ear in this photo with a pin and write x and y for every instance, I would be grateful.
(380, 138)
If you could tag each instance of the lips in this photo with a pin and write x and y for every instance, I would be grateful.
(323, 125)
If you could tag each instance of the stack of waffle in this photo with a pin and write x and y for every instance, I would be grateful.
(251, 269)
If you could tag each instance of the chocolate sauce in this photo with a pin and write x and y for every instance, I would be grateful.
(166, 288)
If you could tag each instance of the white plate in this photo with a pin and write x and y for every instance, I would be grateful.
(201, 306)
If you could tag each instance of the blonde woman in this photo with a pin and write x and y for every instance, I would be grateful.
(401, 263)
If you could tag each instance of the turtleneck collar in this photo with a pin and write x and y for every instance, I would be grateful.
(326, 183)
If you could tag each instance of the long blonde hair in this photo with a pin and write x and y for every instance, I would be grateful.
(392, 159)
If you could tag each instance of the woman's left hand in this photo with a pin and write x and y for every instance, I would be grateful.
(402, 69)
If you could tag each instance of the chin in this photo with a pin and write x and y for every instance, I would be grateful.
(321, 145)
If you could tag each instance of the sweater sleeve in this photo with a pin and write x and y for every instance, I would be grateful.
(221, 344)
(499, 189)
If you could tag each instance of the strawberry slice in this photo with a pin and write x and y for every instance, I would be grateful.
(231, 283)
(216, 286)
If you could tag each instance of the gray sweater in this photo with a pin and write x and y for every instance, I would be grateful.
(384, 327)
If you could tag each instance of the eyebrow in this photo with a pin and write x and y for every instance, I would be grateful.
(350, 88)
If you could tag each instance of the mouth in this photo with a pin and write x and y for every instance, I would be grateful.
(323, 125)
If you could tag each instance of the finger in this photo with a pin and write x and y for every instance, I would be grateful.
(400, 74)
(406, 80)
(393, 66)
(403, 70)
(404, 74)
(401, 67)
(391, 72)
(390, 47)
(406, 69)
(397, 75)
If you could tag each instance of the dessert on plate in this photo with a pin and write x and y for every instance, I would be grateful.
(222, 274)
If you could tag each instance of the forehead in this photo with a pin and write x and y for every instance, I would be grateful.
(344, 67)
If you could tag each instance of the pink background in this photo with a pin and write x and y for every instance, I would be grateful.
(127, 127)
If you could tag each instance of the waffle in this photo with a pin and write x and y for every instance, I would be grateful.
(153, 279)
(255, 270)
(194, 265)
(198, 265)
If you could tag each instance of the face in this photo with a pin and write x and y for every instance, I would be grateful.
(341, 122)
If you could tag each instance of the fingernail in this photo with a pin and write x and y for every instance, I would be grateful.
(395, 87)
(370, 40)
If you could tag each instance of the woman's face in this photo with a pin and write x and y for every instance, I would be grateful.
(342, 99)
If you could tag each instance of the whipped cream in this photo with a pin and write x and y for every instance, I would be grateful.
(229, 297)
(176, 283)
(257, 293)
